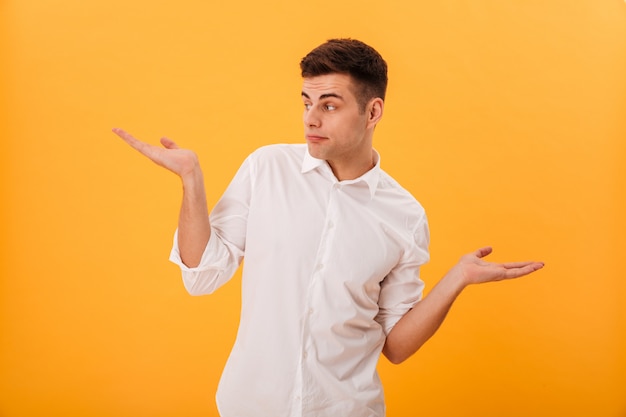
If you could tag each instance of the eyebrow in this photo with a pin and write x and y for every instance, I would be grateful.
(323, 96)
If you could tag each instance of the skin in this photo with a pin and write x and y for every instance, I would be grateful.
(335, 127)
(421, 323)
(339, 131)
(194, 229)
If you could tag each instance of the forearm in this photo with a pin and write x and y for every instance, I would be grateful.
(194, 228)
(421, 323)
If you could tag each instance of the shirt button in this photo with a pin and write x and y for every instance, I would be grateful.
(311, 311)
(319, 267)
(304, 355)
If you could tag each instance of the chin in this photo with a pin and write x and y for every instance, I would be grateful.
(315, 151)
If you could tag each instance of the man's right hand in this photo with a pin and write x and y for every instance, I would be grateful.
(182, 162)
(194, 228)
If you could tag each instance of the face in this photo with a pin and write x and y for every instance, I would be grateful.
(335, 127)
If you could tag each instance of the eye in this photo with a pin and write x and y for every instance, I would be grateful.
(307, 106)
(330, 107)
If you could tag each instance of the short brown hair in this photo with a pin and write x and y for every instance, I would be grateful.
(352, 57)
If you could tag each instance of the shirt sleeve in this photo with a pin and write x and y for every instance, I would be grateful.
(226, 246)
(402, 288)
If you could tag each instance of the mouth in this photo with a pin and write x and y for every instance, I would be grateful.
(315, 138)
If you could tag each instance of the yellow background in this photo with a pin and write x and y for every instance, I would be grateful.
(506, 119)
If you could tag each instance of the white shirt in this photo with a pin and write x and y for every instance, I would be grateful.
(330, 267)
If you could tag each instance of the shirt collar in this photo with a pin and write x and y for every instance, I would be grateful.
(371, 177)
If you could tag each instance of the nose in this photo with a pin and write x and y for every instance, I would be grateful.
(311, 117)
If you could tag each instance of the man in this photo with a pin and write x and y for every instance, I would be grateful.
(333, 247)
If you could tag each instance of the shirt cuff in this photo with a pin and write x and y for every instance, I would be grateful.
(212, 247)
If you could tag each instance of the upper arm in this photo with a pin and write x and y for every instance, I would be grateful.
(402, 288)
(226, 246)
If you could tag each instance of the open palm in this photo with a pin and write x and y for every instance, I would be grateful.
(476, 270)
(170, 156)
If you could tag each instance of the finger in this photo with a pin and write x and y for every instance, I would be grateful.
(168, 143)
(144, 148)
(128, 138)
(123, 134)
(482, 252)
(520, 272)
(512, 265)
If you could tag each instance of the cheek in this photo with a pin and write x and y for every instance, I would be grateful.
(346, 129)
(356, 125)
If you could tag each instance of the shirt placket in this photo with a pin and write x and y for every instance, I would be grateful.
(320, 269)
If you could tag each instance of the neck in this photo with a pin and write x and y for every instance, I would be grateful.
(352, 169)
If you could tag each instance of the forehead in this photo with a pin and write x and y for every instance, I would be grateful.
(335, 83)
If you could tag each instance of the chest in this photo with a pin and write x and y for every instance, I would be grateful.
(338, 233)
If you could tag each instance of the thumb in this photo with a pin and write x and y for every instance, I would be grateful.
(482, 252)
(168, 143)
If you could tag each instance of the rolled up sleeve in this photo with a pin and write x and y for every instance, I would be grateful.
(218, 264)
(402, 288)
(225, 249)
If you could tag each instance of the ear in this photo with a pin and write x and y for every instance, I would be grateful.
(374, 111)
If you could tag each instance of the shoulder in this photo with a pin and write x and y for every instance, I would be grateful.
(402, 211)
(279, 151)
(389, 188)
(401, 205)
(277, 158)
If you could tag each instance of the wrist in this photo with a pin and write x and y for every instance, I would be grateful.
(456, 280)
(193, 178)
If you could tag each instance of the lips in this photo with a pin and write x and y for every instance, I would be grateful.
(315, 138)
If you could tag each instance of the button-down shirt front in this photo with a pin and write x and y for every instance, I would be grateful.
(330, 267)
